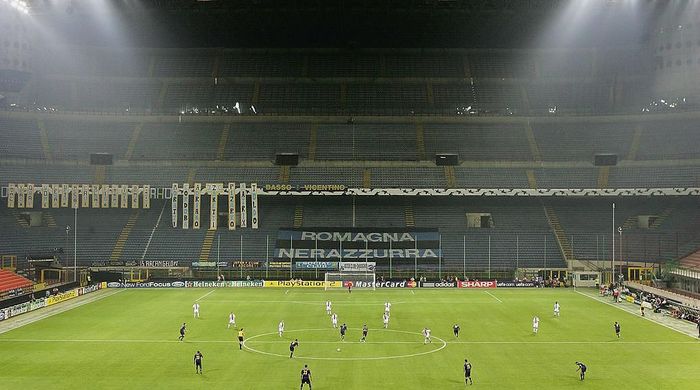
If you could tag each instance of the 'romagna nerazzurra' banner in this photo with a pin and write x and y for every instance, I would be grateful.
(340, 244)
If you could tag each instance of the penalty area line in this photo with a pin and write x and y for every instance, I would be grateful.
(204, 296)
(494, 297)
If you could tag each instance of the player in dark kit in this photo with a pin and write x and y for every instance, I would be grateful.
(582, 368)
(343, 329)
(364, 333)
(240, 338)
(617, 329)
(350, 287)
(198, 362)
(305, 377)
(455, 330)
(293, 345)
(467, 372)
(182, 331)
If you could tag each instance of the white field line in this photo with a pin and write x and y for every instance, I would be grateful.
(627, 311)
(495, 297)
(614, 342)
(204, 296)
(46, 312)
(412, 292)
(286, 292)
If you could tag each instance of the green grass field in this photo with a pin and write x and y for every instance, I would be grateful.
(129, 341)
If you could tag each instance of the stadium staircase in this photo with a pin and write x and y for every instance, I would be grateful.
(409, 216)
(48, 220)
(118, 248)
(450, 177)
(603, 176)
(636, 140)
(44, 136)
(420, 141)
(132, 141)
(284, 174)
(100, 174)
(531, 180)
(21, 221)
(532, 142)
(562, 241)
(313, 141)
(10, 281)
(206, 245)
(222, 142)
(663, 216)
(299, 216)
(367, 178)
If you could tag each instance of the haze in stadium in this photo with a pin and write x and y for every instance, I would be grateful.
(434, 194)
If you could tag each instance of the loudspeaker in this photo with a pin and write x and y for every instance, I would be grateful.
(442, 159)
(605, 160)
(100, 159)
(287, 159)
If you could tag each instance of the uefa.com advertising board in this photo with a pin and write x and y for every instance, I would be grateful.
(298, 283)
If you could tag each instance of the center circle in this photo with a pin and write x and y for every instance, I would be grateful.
(283, 344)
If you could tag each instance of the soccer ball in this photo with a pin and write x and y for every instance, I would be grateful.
(338, 349)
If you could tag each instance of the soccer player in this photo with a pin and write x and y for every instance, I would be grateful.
(293, 345)
(195, 308)
(334, 320)
(280, 328)
(698, 328)
(198, 362)
(343, 329)
(328, 307)
(426, 336)
(231, 320)
(455, 330)
(364, 333)
(305, 376)
(467, 372)
(387, 307)
(642, 310)
(582, 368)
(241, 335)
(349, 287)
(617, 329)
(535, 324)
(182, 331)
(385, 318)
(556, 309)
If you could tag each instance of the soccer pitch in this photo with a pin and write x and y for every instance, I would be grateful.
(130, 341)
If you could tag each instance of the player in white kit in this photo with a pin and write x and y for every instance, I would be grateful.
(280, 328)
(426, 336)
(334, 320)
(195, 308)
(556, 309)
(387, 307)
(535, 324)
(385, 318)
(328, 307)
(231, 320)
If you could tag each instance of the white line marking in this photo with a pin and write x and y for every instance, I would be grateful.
(633, 314)
(612, 342)
(286, 292)
(493, 296)
(413, 292)
(204, 296)
(338, 342)
(35, 316)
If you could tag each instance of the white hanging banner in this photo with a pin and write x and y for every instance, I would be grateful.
(185, 205)
(254, 205)
(95, 196)
(86, 196)
(55, 194)
(114, 196)
(30, 196)
(231, 206)
(134, 197)
(44, 196)
(213, 206)
(244, 204)
(146, 196)
(104, 193)
(123, 197)
(11, 195)
(74, 201)
(22, 195)
(197, 205)
(65, 193)
(173, 199)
